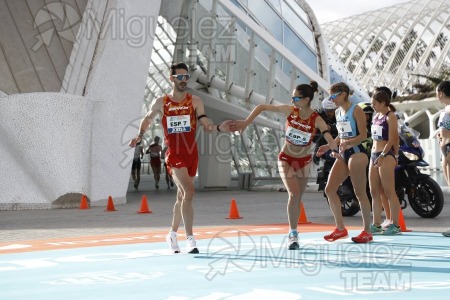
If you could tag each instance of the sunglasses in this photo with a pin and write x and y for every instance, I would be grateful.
(334, 96)
(182, 76)
(297, 98)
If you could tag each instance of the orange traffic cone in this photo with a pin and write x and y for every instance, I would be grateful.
(401, 222)
(84, 204)
(302, 218)
(144, 206)
(110, 205)
(234, 213)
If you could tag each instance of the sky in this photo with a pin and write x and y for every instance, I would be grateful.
(331, 10)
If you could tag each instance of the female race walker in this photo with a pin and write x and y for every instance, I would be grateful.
(443, 95)
(383, 162)
(351, 161)
(295, 156)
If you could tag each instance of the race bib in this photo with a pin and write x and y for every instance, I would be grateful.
(344, 128)
(297, 137)
(377, 131)
(178, 124)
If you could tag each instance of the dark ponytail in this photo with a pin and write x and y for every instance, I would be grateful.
(314, 86)
(392, 107)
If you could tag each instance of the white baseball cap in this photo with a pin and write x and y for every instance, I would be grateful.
(328, 104)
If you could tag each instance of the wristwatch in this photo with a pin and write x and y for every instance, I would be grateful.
(382, 154)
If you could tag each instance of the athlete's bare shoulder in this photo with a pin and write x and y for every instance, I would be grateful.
(196, 101)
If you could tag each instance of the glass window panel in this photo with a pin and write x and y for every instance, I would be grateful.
(244, 2)
(298, 25)
(235, 2)
(299, 48)
(256, 151)
(240, 151)
(223, 12)
(276, 4)
(268, 140)
(298, 10)
(268, 17)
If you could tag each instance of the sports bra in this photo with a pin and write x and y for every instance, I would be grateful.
(300, 132)
(380, 127)
(444, 120)
(346, 123)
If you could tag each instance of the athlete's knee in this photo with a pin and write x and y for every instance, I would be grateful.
(188, 191)
(390, 194)
(330, 190)
(360, 193)
(294, 198)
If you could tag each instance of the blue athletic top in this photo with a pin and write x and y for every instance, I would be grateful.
(380, 127)
(346, 123)
(444, 120)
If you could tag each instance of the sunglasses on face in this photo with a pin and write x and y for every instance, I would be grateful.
(297, 98)
(334, 96)
(182, 76)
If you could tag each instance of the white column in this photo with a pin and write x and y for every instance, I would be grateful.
(215, 159)
(117, 81)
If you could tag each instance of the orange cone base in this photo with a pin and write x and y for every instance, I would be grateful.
(299, 222)
(144, 206)
(402, 223)
(234, 213)
(110, 205)
(84, 204)
(302, 219)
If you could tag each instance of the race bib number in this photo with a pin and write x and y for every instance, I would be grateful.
(297, 137)
(377, 131)
(178, 124)
(344, 128)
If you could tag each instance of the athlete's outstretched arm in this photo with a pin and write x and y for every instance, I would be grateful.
(240, 125)
(205, 121)
(155, 109)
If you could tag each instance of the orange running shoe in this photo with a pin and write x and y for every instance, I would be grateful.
(336, 235)
(363, 237)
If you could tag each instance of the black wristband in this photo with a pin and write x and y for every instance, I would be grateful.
(201, 116)
(325, 131)
(141, 134)
(218, 129)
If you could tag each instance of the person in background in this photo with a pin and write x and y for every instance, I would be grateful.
(443, 95)
(136, 165)
(328, 115)
(155, 159)
(169, 179)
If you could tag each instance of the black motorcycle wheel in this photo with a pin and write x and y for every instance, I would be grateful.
(349, 203)
(349, 207)
(426, 198)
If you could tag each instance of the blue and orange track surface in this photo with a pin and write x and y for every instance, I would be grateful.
(244, 262)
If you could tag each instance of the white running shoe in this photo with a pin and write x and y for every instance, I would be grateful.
(293, 242)
(191, 246)
(386, 224)
(171, 239)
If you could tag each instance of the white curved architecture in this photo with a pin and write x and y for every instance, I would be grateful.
(57, 146)
(389, 46)
(85, 71)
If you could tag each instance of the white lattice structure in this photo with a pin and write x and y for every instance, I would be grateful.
(258, 52)
(390, 45)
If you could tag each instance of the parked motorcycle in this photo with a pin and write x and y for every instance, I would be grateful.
(424, 194)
